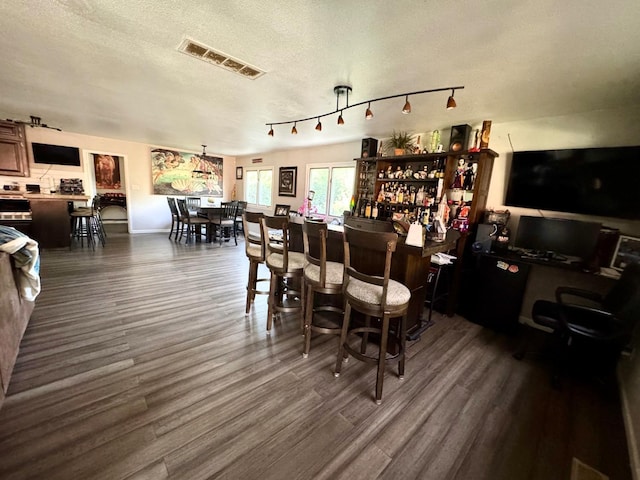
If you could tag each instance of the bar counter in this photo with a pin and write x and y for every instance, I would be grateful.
(409, 265)
(50, 224)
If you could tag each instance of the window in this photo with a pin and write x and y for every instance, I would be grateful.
(333, 187)
(257, 187)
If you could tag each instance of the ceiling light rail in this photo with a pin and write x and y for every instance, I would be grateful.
(345, 90)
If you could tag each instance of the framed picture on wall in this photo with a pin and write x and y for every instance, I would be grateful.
(287, 181)
(238, 173)
(627, 251)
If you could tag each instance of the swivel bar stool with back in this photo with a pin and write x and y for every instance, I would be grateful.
(255, 251)
(320, 276)
(286, 269)
(369, 290)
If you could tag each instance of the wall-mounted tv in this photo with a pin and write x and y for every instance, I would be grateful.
(591, 181)
(55, 154)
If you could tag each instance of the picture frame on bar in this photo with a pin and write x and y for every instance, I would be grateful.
(287, 181)
(627, 252)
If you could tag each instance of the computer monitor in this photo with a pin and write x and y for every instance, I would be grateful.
(560, 236)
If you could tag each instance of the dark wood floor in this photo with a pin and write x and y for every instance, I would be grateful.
(139, 363)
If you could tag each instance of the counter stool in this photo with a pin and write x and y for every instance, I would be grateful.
(320, 276)
(254, 248)
(286, 270)
(369, 290)
(83, 225)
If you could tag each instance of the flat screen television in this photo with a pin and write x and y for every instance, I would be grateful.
(55, 154)
(559, 236)
(591, 181)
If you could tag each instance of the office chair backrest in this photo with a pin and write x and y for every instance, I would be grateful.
(624, 298)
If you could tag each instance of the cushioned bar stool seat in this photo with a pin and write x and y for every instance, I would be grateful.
(255, 251)
(320, 276)
(286, 295)
(369, 290)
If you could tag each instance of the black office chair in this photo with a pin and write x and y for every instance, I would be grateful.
(601, 326)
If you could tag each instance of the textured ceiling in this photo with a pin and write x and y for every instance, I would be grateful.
(112, 68)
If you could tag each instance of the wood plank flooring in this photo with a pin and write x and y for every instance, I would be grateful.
(139, 363)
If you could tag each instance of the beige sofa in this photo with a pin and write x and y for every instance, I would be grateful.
(14, 316)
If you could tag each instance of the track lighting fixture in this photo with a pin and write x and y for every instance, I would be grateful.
(345, 90)
(451, 103)
(368, 114)
(407, 106)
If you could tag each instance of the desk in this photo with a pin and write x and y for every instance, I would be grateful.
(409, 265)
(502, 288)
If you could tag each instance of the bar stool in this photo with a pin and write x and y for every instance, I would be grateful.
(286, 269)
(254, 248)
(320, 276)
(85, 223)
(369, 290)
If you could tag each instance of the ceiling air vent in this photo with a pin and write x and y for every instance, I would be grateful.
(220, 59)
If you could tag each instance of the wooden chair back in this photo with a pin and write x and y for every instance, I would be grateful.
(193, 203)
(252, 227)
(182, 209)
(276, 245)
(367, 257)
(314, 237)
(173, 207)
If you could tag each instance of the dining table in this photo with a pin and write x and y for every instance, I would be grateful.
(211, 213)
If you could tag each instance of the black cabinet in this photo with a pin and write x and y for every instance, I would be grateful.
(493, 291)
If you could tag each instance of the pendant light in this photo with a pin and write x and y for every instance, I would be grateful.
(451, 103)
(294, 130)
(368, 114)
(407, 106)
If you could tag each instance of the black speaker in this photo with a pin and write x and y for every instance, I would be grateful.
(460, 135)
(484, 238)
(369, 147)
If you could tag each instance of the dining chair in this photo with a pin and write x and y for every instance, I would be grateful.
(286, 268)
(175, 218)
(368, 289)
(193, 204)
(223, 221)
(193, 224)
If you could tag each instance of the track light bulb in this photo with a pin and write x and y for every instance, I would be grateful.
(407, 106)
(368, 114)
(294, 130)
(451, 103)
(270, 131)
(319, 125)
(340, 119)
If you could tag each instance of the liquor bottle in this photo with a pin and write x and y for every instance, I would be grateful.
(352, 204)
(374, 212)
(400, 197)
(367, 210)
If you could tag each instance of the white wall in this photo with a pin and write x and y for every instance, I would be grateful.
(146, 212)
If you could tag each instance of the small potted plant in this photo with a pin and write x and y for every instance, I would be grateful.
(400, 142)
